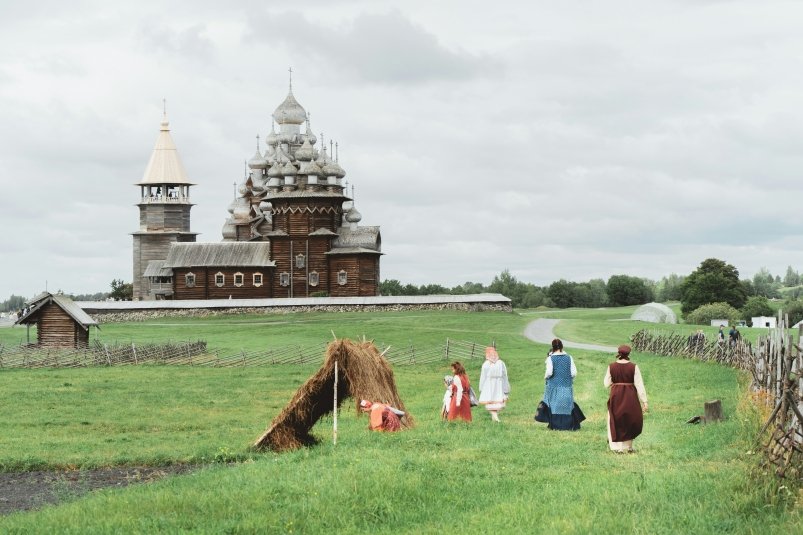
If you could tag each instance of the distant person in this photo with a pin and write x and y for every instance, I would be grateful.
(447, 396)
(733, 336)
(459, 404)
(721, 335)
(494, 385)
(559, 390)
(625, 413)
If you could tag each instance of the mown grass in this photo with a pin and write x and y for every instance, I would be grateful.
(516, 476)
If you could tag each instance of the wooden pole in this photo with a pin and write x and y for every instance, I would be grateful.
(334, 411)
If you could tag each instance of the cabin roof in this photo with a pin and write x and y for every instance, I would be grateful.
(223, 254)
(69, 306)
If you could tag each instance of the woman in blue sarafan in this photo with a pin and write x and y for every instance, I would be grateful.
(559, 392)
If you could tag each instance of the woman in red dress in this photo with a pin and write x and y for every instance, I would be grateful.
(627, 401)
(460, 405)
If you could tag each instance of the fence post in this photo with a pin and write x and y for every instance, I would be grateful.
(447, 349)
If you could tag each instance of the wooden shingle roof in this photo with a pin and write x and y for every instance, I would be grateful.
(69, 306)
(231, 254)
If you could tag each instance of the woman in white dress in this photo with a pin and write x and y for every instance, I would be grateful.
(494, 385)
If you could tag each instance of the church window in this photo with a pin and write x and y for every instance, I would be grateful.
(300, 261)
(220, 279)
(238, 279)
(313, 278)
(342, 277)
(284, 279)
(257, 279)
(189, 280)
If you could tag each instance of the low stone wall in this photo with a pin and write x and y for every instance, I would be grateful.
(109, 316)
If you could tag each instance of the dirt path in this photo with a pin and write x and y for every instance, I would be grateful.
(540, 331)
(21, 491)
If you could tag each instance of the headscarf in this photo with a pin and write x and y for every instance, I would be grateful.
(624, 352)
(491, 355)
(448, 379)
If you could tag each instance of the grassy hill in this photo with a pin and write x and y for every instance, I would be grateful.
(511, 477)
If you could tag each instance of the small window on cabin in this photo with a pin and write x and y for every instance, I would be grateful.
(342, 277)
(284, 279)
(257, 279)
(313, 278)
(300, 261)
(220, 279)
(189, 280)
(238, 279)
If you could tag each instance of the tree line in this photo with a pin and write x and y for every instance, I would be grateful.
(714, 285)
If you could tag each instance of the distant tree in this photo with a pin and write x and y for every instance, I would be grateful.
(626, 290)
(13, 303)
(704, 314)
(794, 309)
(792, 277)
(593, 293)
(390, 287)
(432, 289)
(668, 288)
(534, 297)
(507, 285)
(712, 282)
(756, 305)
(765, 284)
(468, 288)
(410, 289)
(121, 291)
(561, 293)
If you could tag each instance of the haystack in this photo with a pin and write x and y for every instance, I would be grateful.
(362, 374)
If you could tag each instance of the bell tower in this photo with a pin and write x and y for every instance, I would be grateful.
(164, 218)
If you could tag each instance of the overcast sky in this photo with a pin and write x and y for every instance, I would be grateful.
(571, 139)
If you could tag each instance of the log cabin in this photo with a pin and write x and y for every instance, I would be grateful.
(59, 321)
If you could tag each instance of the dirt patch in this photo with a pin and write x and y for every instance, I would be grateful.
(21, 491)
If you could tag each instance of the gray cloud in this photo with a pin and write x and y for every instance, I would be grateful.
(383, 48)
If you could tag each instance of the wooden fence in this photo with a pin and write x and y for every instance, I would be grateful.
(776, 367)
(196, 354)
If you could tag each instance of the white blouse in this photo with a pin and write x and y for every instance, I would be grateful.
(549, 369)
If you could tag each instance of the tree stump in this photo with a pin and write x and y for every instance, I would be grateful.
(713, 411)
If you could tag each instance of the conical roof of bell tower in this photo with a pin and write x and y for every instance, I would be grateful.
(165, 166)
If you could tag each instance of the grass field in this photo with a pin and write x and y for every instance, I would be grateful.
(515, 476)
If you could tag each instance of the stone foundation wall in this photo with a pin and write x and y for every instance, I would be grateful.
(107, 316)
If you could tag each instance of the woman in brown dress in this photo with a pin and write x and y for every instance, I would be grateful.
(625, 416)
(460, 405)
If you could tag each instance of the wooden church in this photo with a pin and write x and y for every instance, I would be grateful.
(292, 231)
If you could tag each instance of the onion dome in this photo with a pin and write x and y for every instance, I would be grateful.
(353, 216)
(275, 170)
(339, 172)
(290, 111)
(304, 152)
(329, 168)
(243, 189)
(310, 136)
(258, 161)
(265, 206)
(289, 169)
(271, 138)
(232, 206)
(270, 153)
(242, 209)
(310, 168)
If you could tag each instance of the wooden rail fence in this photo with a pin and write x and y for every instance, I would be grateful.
(197, 354)
(776, 367)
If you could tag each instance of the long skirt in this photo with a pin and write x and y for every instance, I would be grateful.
(625, 419)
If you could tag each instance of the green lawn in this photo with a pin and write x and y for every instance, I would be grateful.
(516, 476)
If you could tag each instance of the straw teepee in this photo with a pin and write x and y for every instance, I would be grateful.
(363, 374)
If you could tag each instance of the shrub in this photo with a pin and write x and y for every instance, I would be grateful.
(714, 311)
(756, 305)
(793, 309)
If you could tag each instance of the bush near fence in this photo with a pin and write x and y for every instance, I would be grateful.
(776, 367)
